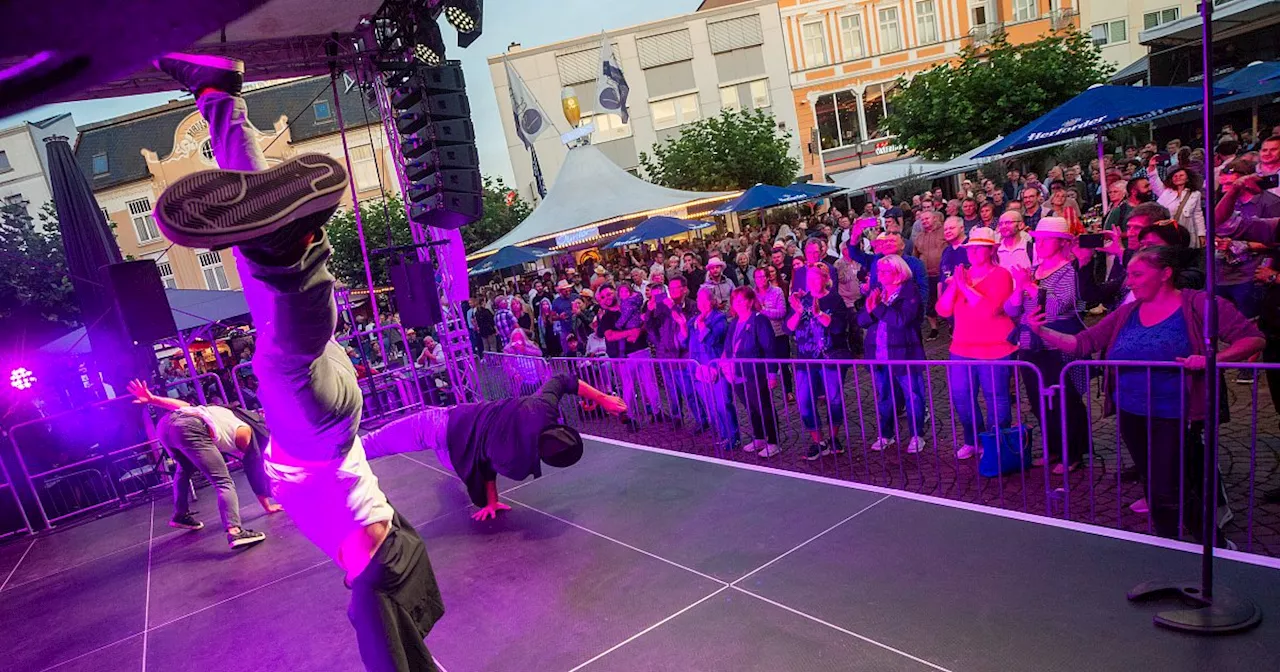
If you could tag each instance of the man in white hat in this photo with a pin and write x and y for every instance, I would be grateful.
(562, 312)
(721, 287)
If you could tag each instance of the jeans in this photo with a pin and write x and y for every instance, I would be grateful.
(187, 439)
(424, 430)
(638, 368)
(811, 381)
(993, 380)
(309, 389)
(899, 386)
(1076, 439)
(678, 380)
(717, 400)
(754, 393)
(1169, 455)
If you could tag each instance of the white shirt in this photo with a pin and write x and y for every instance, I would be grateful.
(222, 424)
(1017, 256)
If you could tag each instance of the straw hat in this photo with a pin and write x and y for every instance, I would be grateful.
(1052, 227)
(715, 261)
(563, 284)
(981, 236)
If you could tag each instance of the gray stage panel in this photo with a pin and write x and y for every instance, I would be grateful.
(295, 625)
(733, 631)
(11, 553)
(530, 593)
(417, 492)
(718, 520)
(123, 656)
(85, 541)
(976, 592)
(73, 612)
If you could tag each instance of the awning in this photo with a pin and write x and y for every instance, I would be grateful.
(506, 258)
(658, 228)
(191, 308)
(1226, 16)
(764, 196)
(1134, 72)
(591, 190)
(879, 174)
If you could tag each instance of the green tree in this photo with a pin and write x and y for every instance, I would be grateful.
(382, 216)
(991, 90)
(732, 151)
(35, 283)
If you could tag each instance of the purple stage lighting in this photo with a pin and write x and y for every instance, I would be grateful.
(22, 378)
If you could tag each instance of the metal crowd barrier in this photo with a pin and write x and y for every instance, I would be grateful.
(9, 493)
(97, 476)
(677, 404)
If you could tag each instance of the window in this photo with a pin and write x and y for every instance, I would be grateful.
(144, 225)
(364, 169)
(608, 127)
(674, 111)
(4, 162)
(979, 15)
(215, 275)
(729, 98)
(926, 22)
(1149, 20)
(890, 30)
(166, 271)
(100, 165)
(875, 106)
(1112, 32)
(759, 94)
(813, 36)
(838, 120)
(1024, 10)
(322, 110)
(851, 36)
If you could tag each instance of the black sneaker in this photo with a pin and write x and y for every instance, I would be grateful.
(186, 521)
(197, 72)
(836, 446)
(269, 209)
(815, 451)
(245, 537)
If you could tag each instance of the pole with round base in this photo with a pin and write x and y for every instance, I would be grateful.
(1208, 611)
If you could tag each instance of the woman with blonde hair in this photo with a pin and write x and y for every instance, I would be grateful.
(819, 320)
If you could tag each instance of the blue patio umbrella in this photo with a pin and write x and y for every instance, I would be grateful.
(1097, 110)
(815, 189)
(763, 196)
(506, 258)
(657, 228)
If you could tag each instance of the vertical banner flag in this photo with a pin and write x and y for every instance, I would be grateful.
(611, 85)
(537, 174)
(530, 120)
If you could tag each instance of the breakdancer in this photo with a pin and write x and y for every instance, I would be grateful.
(316, 460)
(198, 437)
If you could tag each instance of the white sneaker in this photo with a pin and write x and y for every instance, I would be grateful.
(915, 445)
(769, 450)
(750, 446)
(882, 443)
(1140, 506)
(966, 452)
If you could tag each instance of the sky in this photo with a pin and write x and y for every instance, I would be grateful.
(529, 22)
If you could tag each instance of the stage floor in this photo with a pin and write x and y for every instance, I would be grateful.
(632, 560)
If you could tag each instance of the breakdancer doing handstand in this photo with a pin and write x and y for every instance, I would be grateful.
(316, 459)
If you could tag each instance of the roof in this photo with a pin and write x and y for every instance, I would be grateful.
(191, 308)
(123, 138)
(1135, 71)
(877, 174)
(590, 189)
(1230, 17)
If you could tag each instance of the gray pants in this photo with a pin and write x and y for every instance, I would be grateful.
(424, 430)
(187, 439)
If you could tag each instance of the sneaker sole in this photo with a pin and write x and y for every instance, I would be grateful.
(204, 60)
(215, 209)
(239, 543)
(180, 526)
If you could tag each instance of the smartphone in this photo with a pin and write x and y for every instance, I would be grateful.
(1269, 181)
(1091, 241)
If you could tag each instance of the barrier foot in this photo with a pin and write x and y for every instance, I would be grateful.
(1226, 612)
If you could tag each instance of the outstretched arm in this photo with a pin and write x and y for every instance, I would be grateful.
(611, 404)
(142, 395)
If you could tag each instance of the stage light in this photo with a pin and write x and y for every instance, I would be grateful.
(22, 378)
(466, 17)
(429, 47)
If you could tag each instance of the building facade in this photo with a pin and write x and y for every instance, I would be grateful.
(679, 70)
(1115, 25)
(846, 55)
(24, 163)
(130, 160)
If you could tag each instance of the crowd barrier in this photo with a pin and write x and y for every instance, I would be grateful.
(677, 404)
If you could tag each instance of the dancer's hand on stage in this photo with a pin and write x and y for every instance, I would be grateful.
(139, 390)
(270, 505)
(490, 511)
(612, 405)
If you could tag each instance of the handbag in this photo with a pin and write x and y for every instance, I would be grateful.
(1011, 453)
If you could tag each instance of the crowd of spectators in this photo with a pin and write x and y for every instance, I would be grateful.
(1031, 270)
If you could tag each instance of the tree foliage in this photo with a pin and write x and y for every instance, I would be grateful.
(732, 151)
(382, 216)
(991, 90)
(34, 284)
